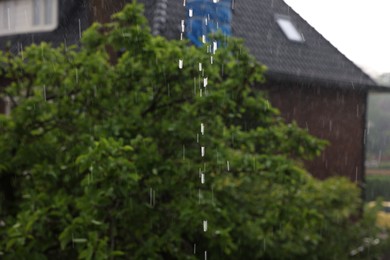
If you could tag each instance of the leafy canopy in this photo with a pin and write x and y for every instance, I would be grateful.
(101, 160)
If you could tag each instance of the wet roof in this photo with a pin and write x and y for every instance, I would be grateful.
(256, 21)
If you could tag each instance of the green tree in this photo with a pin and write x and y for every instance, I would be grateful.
(102, 160)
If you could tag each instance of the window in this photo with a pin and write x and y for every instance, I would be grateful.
(24, 16)
(289, 28)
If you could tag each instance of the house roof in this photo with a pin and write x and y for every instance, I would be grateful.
(314, 60)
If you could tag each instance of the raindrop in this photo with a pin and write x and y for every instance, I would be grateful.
(194, 86)
(190, 12)
(44, 92)
(215, 1)
(212, 195)
(205, 82)
(184, 2)
(43, 57)
(9, 20)
(79, 28)
(194, 249)
(151, 197)
(202, 128)
(21, 51)
(202, 151)
(204, 38)
(202, 178)
(356, 174)
(180, 64)
(182, 26)
(215, 47)
(205, 21)
(211, 59)
(204, 225)
(228, 165)
(26, 16)
(205, 255)
(200, 66)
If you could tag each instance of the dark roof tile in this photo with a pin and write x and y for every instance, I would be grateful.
(315, 58)
(253, 20)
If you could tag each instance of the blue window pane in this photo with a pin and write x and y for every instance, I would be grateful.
(218, 16)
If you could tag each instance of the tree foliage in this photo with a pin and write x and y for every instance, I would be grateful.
(102, 160)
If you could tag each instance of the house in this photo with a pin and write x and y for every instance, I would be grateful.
(308, 79)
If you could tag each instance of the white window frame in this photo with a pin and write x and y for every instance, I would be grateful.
(36, 19)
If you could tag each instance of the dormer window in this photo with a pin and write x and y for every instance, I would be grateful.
(289, 29)
(26, 16)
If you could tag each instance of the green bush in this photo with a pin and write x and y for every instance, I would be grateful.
(102, 160)
(377, 186)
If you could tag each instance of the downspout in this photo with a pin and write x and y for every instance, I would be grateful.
(159, 17)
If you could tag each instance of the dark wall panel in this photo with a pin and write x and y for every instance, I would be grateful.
(329, 113)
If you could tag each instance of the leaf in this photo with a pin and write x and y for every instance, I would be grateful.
(79, 240)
